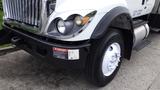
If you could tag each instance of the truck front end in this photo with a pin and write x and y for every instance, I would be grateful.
(44, 29)
(87, 34)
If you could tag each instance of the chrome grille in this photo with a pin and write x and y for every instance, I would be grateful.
(24, 11)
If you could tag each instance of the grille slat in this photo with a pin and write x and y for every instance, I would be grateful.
(16, 8)
(29, 12)
(13, 9)
(9, 9)
(36, 13)
(20, 10)
(23, 5)
(25, 11)
(33, 10)
(5, 9)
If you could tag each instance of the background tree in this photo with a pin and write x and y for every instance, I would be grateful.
(1, 5)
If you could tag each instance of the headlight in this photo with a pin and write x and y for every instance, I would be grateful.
(70, 27)
(78, 20)
(61, 27)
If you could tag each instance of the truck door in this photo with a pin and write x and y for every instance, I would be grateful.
(148, 5)
(140, 7)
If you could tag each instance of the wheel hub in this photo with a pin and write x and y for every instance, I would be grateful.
(111, 59)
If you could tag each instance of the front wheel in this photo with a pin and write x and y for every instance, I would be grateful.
(105, 58)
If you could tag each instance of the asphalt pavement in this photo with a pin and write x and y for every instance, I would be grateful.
(22, 71)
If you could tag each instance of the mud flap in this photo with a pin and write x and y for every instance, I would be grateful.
(4, 36)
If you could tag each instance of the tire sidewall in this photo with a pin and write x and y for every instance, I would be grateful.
(101, 45)
(114, 39)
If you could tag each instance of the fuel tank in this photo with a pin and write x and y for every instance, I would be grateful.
(140, 34)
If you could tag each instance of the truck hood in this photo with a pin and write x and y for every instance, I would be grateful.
(68, 5)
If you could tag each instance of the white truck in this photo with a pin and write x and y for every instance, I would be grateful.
(94, 35)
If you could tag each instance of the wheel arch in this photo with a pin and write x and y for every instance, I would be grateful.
(118, 18)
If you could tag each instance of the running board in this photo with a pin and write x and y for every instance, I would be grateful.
(6, 50)
(142, 45)
(155, 29)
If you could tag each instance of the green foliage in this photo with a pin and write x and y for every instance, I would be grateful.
(1, 5)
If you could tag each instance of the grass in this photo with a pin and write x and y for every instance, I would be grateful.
(5, 45)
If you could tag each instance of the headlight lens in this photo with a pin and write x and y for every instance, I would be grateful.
(78, 20)
(70, 27)
(61, 27)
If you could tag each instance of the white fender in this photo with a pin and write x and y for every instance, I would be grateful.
(65, 8)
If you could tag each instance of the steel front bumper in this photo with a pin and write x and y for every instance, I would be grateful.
(49, 49)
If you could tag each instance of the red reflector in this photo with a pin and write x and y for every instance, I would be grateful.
(60, 49)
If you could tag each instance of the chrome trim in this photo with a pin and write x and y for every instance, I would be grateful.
(37, 14)
(44, 16)
(23, 11)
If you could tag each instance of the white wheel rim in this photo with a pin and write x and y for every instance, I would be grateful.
(111, 59)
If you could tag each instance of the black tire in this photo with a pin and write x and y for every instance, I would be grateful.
(94, 63)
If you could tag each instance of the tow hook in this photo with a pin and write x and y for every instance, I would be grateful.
(16, 40)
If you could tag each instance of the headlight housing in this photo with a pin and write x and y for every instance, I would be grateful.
(70, 27)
